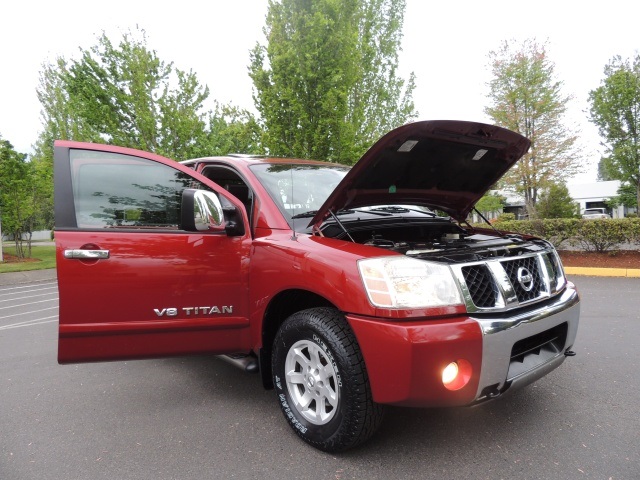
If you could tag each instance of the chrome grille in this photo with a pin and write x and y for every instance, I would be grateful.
(555, 268)
(501, 284)
(526, 291)
(480, 285)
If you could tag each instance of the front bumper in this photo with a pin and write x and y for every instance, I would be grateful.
(506, 351)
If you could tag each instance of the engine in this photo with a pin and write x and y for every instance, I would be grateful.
(458, 247)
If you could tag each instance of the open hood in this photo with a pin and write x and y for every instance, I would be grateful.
(442, 164)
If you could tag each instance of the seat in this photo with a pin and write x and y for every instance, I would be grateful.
(242, 193)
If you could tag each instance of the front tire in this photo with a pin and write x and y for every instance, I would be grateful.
(321, 381)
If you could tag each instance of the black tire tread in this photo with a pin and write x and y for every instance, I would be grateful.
(364, 416)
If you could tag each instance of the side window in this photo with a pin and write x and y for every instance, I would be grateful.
(122, 191)
(232, 182)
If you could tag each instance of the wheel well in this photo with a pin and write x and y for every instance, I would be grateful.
(280, 308)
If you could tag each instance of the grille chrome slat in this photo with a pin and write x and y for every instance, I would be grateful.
(501, 284)
(528, 264)
(481, 287)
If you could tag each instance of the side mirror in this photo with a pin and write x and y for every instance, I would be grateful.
(201, 212)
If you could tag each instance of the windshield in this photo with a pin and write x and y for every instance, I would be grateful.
(298, 189)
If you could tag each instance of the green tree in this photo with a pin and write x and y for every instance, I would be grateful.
(62, 120)
(615, 110)
(20, 191)
(326, 83)
(491, 202)
(526, 97)
(60, 113)
(556, 202)
(131, 98)
(232, 130)
(124, 94)
(603, 174)
(627, 196)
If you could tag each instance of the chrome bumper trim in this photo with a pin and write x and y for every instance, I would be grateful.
(500, 334)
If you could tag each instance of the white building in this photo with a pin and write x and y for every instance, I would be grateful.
(594, 195)
(588, 195)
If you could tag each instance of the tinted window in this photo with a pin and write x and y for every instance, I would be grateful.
(114, 190)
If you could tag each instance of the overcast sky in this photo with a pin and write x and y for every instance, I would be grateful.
(445, 43)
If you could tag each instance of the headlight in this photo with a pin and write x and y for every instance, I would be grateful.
(401, 282)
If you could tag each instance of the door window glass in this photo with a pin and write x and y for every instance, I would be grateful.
(121, 191)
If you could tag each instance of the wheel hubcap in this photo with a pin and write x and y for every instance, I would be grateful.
(312, 382)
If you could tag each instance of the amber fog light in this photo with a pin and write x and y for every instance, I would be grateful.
(456, 375)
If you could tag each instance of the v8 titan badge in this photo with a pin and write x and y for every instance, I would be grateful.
(193, 311)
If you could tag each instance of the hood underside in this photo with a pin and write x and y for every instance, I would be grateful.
(442, 164)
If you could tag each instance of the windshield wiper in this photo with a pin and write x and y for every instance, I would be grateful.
(312, 213)
(397, 209)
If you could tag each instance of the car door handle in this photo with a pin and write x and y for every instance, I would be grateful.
(87, 254)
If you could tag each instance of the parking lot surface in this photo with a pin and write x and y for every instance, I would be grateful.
(200, 418)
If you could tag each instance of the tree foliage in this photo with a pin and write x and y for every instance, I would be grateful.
(627, 196)
(556, 202)
(122, 93)
(24, 186)
(491, 202)
(615, 109)
(326, 83)
(603, 175)
(131, 98)
(232, 130)
(526, 97)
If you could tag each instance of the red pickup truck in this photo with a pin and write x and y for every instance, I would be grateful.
(341, 287)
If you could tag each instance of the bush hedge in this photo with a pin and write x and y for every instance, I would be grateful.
(591, 235)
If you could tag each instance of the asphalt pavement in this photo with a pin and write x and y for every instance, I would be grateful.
(197, 418)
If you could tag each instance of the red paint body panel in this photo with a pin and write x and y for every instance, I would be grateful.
(116, 299)
(150, 343)
(405, 360)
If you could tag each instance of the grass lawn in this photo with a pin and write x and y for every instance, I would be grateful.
(42, 257)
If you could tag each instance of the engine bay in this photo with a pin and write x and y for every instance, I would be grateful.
(442, 241)
(455, 248)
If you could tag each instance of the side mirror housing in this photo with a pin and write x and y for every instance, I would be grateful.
(234, 223)
(203, 212)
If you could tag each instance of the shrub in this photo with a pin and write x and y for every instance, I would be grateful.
(633, 230)
(590, 235)
(555, 230)
(604, 235)
(506, 217)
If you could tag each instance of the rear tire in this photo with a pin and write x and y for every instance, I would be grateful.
(321, 381)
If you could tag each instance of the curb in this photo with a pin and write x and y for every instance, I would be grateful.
(30, 276)
(603, 272)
